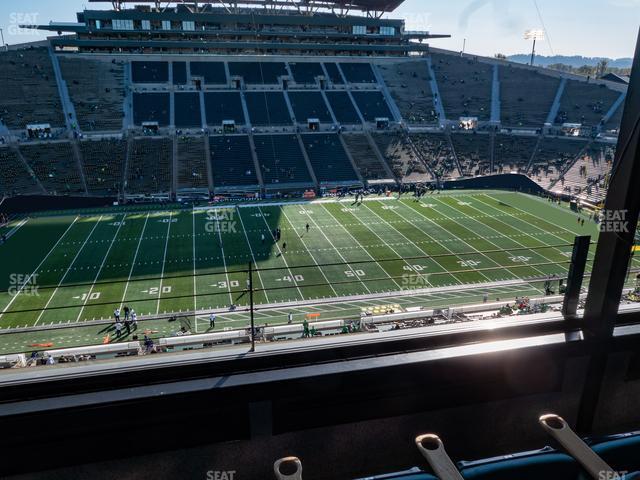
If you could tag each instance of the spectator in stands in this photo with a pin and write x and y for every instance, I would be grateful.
(50, 360)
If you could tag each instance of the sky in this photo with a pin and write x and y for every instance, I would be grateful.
(592, 28)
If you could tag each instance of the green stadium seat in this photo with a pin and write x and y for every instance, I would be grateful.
(544, 464)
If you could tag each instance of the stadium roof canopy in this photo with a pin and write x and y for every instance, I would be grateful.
(362, 5)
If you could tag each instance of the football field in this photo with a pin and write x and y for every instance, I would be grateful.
(73, 270)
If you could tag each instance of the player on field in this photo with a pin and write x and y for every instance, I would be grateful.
(126, 313)
(212, 320)
(284, 247)
(116, 314)
(307, 228)
(134, 319)
(290, 318)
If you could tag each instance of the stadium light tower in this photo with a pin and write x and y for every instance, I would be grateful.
(535, 34)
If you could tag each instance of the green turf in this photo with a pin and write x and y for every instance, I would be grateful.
(185, 260)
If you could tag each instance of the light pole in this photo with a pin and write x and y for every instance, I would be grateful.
(534, 34)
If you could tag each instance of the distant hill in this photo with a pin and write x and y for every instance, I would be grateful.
(575, 61)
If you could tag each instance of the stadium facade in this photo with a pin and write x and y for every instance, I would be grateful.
(208, 97)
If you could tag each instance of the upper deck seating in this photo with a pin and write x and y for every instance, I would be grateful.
(526, 96)
(213, 72)
(187, 110)
(615, 120)
(308, 105)
(358, 72)
(150, 166)
(192, 166)
(15, 178)
(281, 159)
(372, 105)
(409, 84)
(103, 162)
(267, 108)
(328, 158)
(305, 73)
(365, 157)
(220, 106)
(149, 72)
(334, 73)
(55, 166)
(465, 86)
(29, 89)
(343, 108)
(151, 107)
(231, 161)
(179, 73)
(401, 158)
(258, 73)
(585, 103)
(474, 152)
(96, 88)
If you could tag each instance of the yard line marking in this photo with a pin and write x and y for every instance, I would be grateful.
(412, 242)
(361, 247)
(293, 277)
(246, 236)
(67, 271)
(135, 258)
(224, 258)
(438, 241)
(314, 258)
(500, 233)
(459, 239)
(531, 225)
(26, 282)
(164, 261)
(525, 213)
(101, 266)
(338, 252)
(17, 227)
(193, 249)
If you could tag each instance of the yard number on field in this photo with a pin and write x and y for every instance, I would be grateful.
(520, 259)
(355, 273)
(468, 263)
